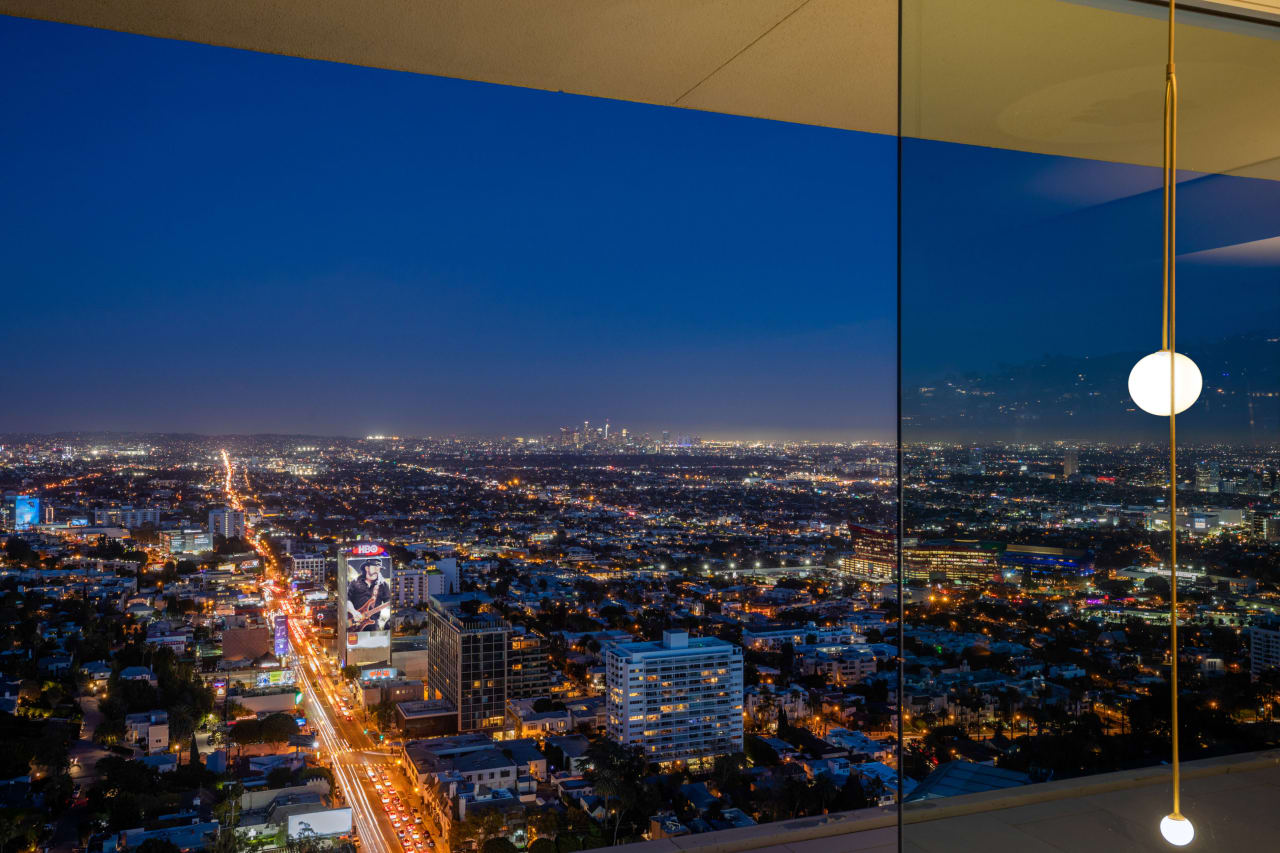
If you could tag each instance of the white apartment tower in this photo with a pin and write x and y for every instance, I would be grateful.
(679, 700)
(411, 585)
(1264, 649)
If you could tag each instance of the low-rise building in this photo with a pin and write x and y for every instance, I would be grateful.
(149, 730)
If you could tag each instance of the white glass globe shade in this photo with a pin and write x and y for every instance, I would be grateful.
(1177, 830)
(1149, 383)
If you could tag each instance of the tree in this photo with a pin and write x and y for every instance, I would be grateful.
(9, 830)
(228, 841)
(616, 774)
(279, 777)
(543, 845)
(278, 728)
(317, 773)
(351, 672)
(246, 732)
(543, 823)
(824, 792)
(463, 831)
(498, 845)
(1157, 585)
(568, 843)
(20, 551)
(157, 845)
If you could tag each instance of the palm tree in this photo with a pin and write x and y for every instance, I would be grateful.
(824, 792)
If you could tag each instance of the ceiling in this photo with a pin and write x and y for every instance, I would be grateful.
(1074, 77)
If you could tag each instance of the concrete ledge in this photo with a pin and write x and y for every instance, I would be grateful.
(775, 834)
(782, 833)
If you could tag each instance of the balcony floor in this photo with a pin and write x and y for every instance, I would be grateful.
(1234, 803)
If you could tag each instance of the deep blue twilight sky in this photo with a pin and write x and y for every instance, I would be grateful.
(213, 240)
(200, 239)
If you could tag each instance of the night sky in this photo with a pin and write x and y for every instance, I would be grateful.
(208, 240)
(220, 241)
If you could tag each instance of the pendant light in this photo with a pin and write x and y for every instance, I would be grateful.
(1166, 383)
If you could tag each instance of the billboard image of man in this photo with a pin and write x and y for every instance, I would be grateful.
(368, 598)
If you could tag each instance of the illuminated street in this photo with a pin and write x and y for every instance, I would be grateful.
(368, 777)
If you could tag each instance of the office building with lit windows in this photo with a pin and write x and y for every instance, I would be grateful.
(679, 700)
(951, 560)
(312, 567)
(128, 517)
(874, 557)
(528, 665)
(467, 662)
(186, 541)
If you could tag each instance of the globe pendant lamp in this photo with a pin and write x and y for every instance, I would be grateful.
(1164, 384)
(1149, 383)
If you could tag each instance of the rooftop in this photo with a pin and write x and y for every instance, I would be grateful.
(1110, 811)
(425, 708)
(672, 642)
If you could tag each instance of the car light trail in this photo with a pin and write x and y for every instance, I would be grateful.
(362, 809)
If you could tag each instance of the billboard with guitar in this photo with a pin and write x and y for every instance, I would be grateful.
(364, 573)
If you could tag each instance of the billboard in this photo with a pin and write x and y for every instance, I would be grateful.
(275, 678)
(364, 575)
(320, 823)
(281, 646)
(26, 512)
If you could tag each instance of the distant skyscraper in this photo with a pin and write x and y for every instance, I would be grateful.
(1207, 477)
(975, 461)
(678, 700)
(1070, 462)
(225, 521)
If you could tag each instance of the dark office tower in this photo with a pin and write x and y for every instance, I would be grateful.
(1070, 462)
(976, 465)
(467, 662)
(1260, 525)
(528, 665)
